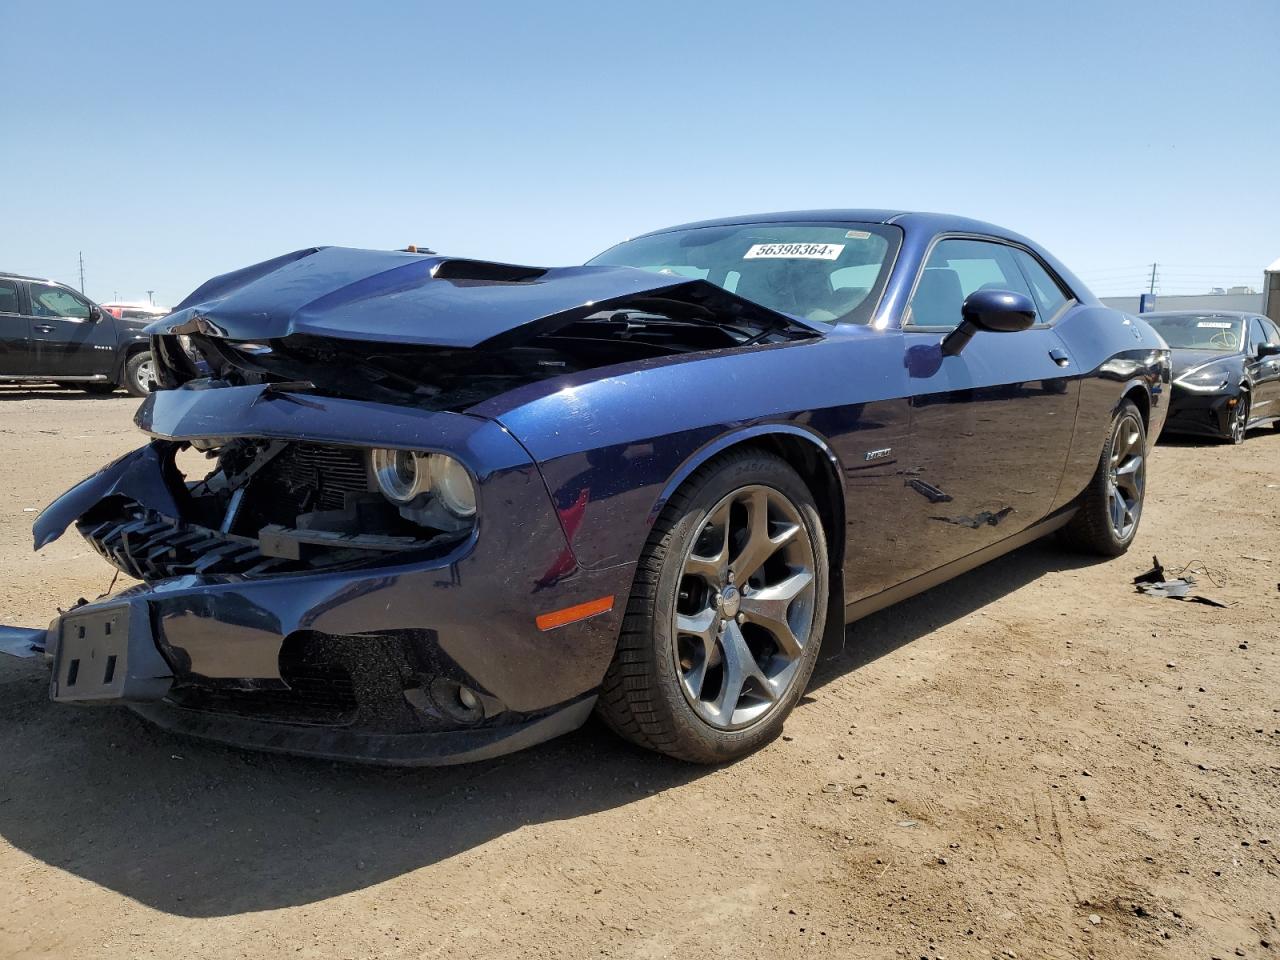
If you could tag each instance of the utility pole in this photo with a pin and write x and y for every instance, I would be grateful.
(82, 271)
(1152, 290)
(150, 299)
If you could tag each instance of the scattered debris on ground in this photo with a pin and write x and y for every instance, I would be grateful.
(1155, 583)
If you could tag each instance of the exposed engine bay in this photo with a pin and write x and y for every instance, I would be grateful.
(265, 507)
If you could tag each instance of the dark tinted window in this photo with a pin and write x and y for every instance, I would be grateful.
(47, 301)
(1048, 293)
(9, 297)
(956, 268)
(1257, 336)
(1271, 331)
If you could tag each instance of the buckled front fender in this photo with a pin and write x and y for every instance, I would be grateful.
(146, 475)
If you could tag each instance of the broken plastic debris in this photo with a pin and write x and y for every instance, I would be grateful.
(1154, 584)
(21, 641)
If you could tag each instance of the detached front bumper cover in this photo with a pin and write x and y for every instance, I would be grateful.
(411, 659)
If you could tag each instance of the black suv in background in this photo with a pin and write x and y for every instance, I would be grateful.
(50, 332)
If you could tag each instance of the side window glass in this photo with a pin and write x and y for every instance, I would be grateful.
(1257, 336)
(956, 268)
(1270, 331)
(47, 301)
(9, 297)
(1047, 292)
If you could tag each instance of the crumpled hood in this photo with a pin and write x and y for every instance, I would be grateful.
(400, 297)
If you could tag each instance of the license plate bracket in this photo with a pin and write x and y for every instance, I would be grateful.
(106, 654)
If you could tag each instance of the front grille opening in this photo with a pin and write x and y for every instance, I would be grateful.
(303, 478)
(262, 508)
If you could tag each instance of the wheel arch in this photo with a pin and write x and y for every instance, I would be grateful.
(1141, 397)
(127, 352)
(818, 466)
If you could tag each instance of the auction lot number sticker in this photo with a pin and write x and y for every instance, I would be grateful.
(794, 251)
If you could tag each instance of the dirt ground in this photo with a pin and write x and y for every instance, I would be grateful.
(1031, 760)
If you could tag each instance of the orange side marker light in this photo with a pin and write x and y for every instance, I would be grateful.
(558, 618)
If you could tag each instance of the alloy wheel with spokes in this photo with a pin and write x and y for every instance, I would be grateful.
(1106, 513)
(726, 615)
(1240, 419)
(1127, 476)
(145, 375)
(744, 608)
(140, 374)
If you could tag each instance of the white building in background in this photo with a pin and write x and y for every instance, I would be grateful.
(1244, 299)
(1247, 302)
(1271, 291)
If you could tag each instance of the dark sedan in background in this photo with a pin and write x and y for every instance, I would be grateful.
(1226, 372)
(450, 507)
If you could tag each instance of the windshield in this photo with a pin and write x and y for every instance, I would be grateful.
(825, 272)
(1199, 331)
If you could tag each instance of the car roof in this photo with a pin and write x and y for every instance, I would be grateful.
(937, 222)
(22, 276)
(1193, 312)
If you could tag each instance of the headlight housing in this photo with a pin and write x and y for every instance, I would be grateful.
(1207, 378)
(420, 481)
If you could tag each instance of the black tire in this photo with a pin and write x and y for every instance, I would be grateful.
(1239, 427)
(97, 389)
(643, 697)
(137, 372)
(1093, 528)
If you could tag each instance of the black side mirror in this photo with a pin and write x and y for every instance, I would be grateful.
(95, 312)
(1269, 350)
(993, 311)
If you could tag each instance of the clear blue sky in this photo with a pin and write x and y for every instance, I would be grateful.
(173, 141)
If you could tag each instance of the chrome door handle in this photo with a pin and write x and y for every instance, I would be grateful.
(1060, 357)
(44, 328)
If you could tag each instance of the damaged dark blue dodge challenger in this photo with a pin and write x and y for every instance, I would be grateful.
(450, 507)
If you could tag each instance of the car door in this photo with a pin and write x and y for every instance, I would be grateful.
(15, 330)
(66, 339)
(1265, 371)
(990, 428)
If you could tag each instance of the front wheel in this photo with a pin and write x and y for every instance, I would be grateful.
(1239, 427)
(140, 373)
(726, 614)
(1111, 506)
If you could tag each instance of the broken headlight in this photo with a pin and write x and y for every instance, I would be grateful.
(407, 477)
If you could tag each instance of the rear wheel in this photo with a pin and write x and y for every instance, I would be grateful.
(140, 373)
(1111, 506)
(1239, 427)
(726, 614)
